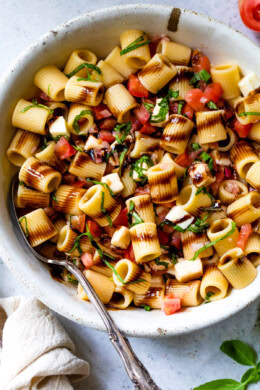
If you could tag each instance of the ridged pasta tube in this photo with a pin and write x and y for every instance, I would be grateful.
(238, 270)
(252, 249)
(226, 144)
(23, 145)
(77, 58)
(102, 285)
(26, 197)
(145, 242)
(144, 144)
(110, 76)
(153, 298)
(181, 82)
(214, 282)
(219, 229)
(131, 272)
(245, 209)
(139, 57)
(84, 114)
(250, 103)
(210, 126)
(82, 165)
(143, 206)
(189, 293)
(228, 76)
(227, 196)
(243, 157)
(254, 133)
(163, 183)
(120, 102)
(121, 298)
(116, 61)
(66, 239)
(39, 176)
(67, 199)
(176, 53)
(51, 81)
(191, 242)
(84, 91)
(192, 202)
(253, 176)
(168, 159)
(176, 134)
(48, 156)
(129, 184)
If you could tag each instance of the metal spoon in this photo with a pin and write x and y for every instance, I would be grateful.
(134, 367)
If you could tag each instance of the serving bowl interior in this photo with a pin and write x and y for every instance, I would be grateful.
(99, 31)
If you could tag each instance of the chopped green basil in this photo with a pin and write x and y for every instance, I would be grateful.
(147, 307)
(82, 66)
(204, 191)
(212, 105)
(54, 198)
(104, 185)
(137, 166)
(180, 105)
(71, 279)
(164, 109)
(195, 146)
(133, 213)
(248, 113)
(208, 296)
(134, 45)
(78, 148)
(122, 131)
(148, 106)
(201, 75)
(36, 104)
(208, 159)
(173, 94)
(26, 227)
(158, 262)
(121, 161)
(49, 89)
(75, 123)
(104, 211)
(21, 183)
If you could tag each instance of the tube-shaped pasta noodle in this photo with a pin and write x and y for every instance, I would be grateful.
(212, 260)
(82, 165)
(116, 61)
(26, 197)
(168, 159)
(191, 242)
(219, 229)
(66, 239)
(176, 134)
(110, 76)
(163, 183)
(98, 260)
(120, 102)
(153, 298)
(189, 293)
(121, 298)
(253, 175)
(77, 112)
(48, 156)
(243, 157)
(51, 81)
(157, 73)
(84, 91)
(143, 206)
(30, 117)
(139, 57)
(59, 224)
(37, 227)
(67, 199)
(245, 209)
(85, 246)
(238, 270)
(23, 145)
(91, 204)
(225, 145)
(221, 214)
(77, 58)
(144, 144)
(135, 279)
(60, 109)
(103, 269)
(128, 183)
(252, 249)
(176, 53)
(254, 133)
(225, 191)
(102, 285)
(213, 283)
(210, 126)
(228, 76)
(181, 82)
(145, 242)
(250, 103)
(39, 176)
(192, 202)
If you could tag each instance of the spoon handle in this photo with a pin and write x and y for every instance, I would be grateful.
(134, 367)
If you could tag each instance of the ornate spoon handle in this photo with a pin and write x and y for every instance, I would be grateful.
(134, 368)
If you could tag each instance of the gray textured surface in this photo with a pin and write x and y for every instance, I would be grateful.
(177, 363)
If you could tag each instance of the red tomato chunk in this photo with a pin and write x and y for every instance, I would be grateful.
(171, 305)
(63, 149)
(196, 99)
(136, 88)
(245, 231)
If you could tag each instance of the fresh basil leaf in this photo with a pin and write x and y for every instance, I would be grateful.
(104, 211)
(180, 105)
(78, 148)
(163, 263)
(202, 75)
(212, 105)
(26, 227)
(122, 131)
(221, 384)
(147, 307)
(75, 123)
(241, 352)
(251, 376)
(102, 184)
(164, 109)
(134, 45)
(173, 94)
(121, 161)
(133, 213)
(208, 296)
(137, 166)
(49, 89)
(247, 113)
(149, 106)
(204, 191)
(195, 146)
(36, 104)
(82, 66)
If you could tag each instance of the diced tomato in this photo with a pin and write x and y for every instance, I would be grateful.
(87, 260)
(162, 237)
(135, 87)
(224, 105)
(45, 97)
(94, 228)
(142, 190)
(176, 240)
(107, 123)
(78, 222)
(196, 99)
(142, 114)
(242, 130)
(199, 61)
(136, 124)
(107, 136)
(214, 92)
(79, 183)
(101, 111)
(148, 129)
(171, 305)
(183, 159)
(129, 253)
(63, 149)
(244, 234)
(174, 107)
(68, 178)
(220, 176)
(228, 172)
(121, 220)
(162, 214)
(188, 110)
(250, 13)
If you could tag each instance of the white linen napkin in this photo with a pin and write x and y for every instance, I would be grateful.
(35, 351)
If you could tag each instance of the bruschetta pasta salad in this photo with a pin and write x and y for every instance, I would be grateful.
(144, 169)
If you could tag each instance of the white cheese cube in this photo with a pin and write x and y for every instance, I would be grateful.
(59, 127)
(121, 237)
(113, 181)
(179, 217)
(93, 143)
(188, 270)
(143, 166)
(156, 112)
(249, 83)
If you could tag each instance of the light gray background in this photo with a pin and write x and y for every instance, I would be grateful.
(179, 363)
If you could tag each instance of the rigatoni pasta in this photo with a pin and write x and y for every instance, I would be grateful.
(23, 145)
(51, 81)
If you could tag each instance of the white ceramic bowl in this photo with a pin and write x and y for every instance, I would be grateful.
(99, 31)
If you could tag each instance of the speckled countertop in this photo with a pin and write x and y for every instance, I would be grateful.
(177, 363)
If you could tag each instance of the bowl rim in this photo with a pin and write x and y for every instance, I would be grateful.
(37, 290)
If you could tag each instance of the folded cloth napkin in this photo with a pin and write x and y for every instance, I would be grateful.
(35, 351)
